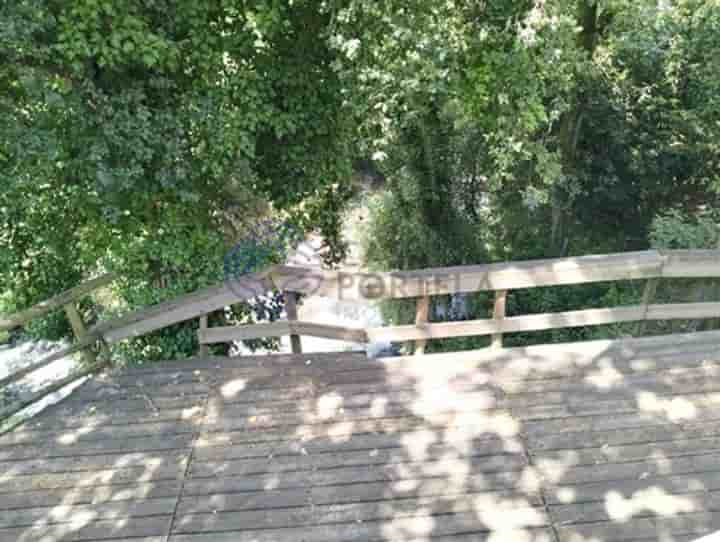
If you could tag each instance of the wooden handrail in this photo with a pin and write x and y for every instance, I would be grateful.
(225, 334)
(541, 322)
(183, 308)
(471, 278)
(56, 302)
(650, 265)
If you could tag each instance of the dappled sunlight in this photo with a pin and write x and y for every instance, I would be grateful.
(379, 407)
(233, 388)
(553, 469)
(675, 409)
(341, 432)
(329, 405)
(416, 443)
(72, 436)
(653, 499)
(506, 514)
(565, 495)
(605, 376)
(504, 448)
(410, 528)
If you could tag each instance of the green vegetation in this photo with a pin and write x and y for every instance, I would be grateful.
(144, 137)
(527, 130)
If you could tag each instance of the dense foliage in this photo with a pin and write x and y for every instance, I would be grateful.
(143, 136)
(539, 129)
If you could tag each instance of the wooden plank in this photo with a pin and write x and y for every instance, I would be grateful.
(96, 530)
(633, 452)
(617, 437)
(648, 295)
(468, 426)
(60, 300)
(146, 444)
(334, 513)
(227, 450)
(435, 489)
(422, 312)
(658, 501)
(101, 511)
(85, 400)
(683, 311)
(183, 308)
(499, 309)
(203, 350)
(691, 263)
(100, 493)
(292, 316)
(74, 480)
(91, 433)
(91, 463)
(403, 529)
(250, 363)
(78, 327)
(224, 334)
(633, 470)
(281, 329)
(351, 458)
(474, 278)
(326, 331)
(482, 481)
(539, 322)
(673, 527)
(257, 500)
(513, 324)
(669, 484)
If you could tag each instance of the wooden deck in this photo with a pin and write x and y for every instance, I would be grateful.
(602, 441)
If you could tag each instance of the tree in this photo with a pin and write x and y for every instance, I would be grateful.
(142, 136)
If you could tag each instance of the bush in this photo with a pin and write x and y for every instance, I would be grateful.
(677, 230)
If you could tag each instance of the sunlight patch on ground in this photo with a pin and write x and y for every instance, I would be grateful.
(230, 389)
(605, 377)
(553, 470)
(676, 409)
(500, 514)
(72, 437)
(329, 405)
(653, 499)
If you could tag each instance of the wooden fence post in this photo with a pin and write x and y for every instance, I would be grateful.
(78, 327)
(292, 315)
(499, 314)
(648, 295)
(422, 313)
(203, 350)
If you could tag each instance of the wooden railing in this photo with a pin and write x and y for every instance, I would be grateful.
(84, 341)
(135, 324)
(501, 278)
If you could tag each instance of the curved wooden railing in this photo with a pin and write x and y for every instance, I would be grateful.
(501, 278)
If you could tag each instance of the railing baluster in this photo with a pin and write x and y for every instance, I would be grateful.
(78, 327)
(292, 316)
(203, 350)
(499, 314)
(648, 295)
(422, 312)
